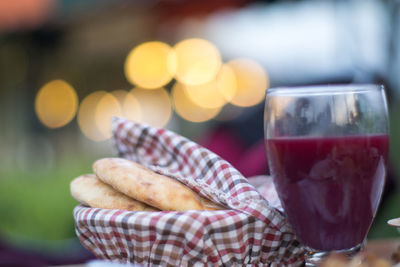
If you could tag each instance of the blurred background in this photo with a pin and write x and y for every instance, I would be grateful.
(199, 68)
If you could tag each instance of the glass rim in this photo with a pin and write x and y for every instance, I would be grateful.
(323, 89)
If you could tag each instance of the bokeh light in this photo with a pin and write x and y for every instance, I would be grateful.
(226, 82)
(205, 95)
(87, 116)
(131, 108)
(189, 110)
(150, 65)
(56, 103)
(129, 104)
(197, 61)
(216, 93)
(120, 95)
(155, 106)
(251, 82)
(107, 107)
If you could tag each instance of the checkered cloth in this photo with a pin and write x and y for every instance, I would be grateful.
(249, 232)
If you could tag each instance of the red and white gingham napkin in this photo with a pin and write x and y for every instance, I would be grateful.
(249, 232)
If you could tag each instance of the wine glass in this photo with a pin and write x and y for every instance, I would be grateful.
(327, 150)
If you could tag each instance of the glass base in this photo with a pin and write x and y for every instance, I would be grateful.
(315, 258)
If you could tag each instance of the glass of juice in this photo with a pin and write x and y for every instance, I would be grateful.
(327, 150)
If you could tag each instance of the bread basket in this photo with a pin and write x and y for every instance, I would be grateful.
(250, 231)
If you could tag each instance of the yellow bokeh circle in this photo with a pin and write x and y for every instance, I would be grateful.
(251, 82)
(216, 93)
(56, 103)
(87, 116)
(189, 110)
(131, 108)
(226, 82)
(120, 95)
(150, 65)
(205, 95)
(155, 106)
(129, 104)
(197, 61)
(107, 107)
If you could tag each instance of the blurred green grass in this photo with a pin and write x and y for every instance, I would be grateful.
(38, 205)
(388, 210)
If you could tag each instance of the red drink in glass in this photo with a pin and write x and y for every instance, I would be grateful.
(330, 187)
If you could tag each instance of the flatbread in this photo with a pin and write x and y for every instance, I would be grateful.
(91, 191)
(149, 187)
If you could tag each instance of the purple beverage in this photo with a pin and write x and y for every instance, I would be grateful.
(330, 187)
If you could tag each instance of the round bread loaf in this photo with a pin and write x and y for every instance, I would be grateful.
(149, 187)
(90, 191)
